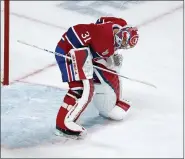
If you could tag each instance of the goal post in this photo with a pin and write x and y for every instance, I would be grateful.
(5, 74)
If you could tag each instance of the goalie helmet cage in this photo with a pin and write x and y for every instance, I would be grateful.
(6, 43)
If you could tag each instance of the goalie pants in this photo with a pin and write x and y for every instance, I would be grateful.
(65, 66)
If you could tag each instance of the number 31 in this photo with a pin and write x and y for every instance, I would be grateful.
(86, 36)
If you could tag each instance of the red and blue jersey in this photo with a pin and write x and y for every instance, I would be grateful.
(98, 37)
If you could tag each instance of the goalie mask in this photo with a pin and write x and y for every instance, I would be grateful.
(127, 37)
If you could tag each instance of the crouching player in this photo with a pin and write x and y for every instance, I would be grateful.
(88, 45)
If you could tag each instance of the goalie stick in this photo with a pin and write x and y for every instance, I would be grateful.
(58, 54)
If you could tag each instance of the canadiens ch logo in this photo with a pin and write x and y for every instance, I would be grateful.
(134, 40)
(105, 52)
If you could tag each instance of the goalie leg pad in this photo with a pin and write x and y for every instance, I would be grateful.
(105, 102)
(104, 99)
(68, 102)
(74, 104)
(111, 79)
(108, 99)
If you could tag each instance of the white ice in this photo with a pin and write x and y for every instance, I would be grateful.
(154, 127)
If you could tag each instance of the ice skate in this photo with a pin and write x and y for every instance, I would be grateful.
(70, 134)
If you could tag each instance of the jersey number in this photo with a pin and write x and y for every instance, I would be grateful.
(86, 36)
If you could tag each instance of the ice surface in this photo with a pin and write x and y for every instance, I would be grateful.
(30, 120)
(154, 128)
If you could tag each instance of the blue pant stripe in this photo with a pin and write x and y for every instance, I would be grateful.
(62, 64)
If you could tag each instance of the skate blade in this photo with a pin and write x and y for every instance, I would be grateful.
(74, 137)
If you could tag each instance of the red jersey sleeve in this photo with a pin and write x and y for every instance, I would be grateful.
(119, 21)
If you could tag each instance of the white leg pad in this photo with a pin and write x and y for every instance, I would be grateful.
(104, 99)
(77, 109)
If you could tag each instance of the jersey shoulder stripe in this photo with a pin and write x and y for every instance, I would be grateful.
(73, 38)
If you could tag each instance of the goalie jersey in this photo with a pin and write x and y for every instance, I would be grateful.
(97, 36)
